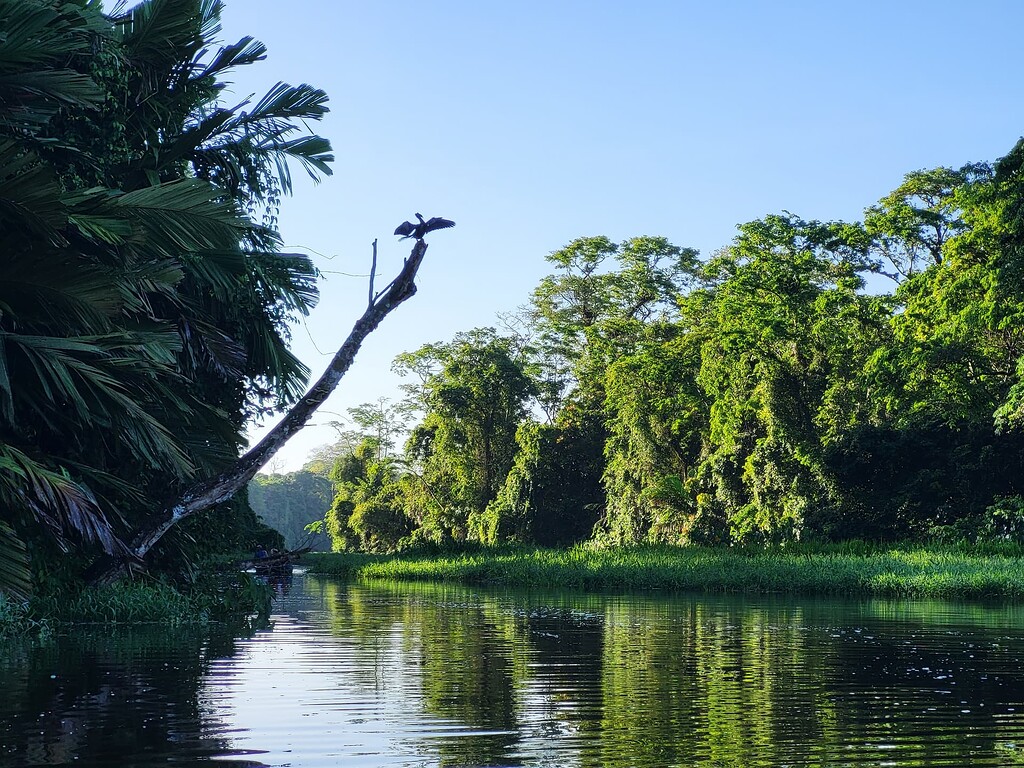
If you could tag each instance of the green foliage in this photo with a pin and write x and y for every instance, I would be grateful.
(16, 619)
(593, 308)
(367, 512)
(144, 302)
(462, 451)
(228, 594)
(1005, 519)
(552, 494)
(934, 572)
(787, 403)
(215, 591)
(124, 602)
(383, 421)
(658, 420)
(1001, 524)
(15, 567)
(232, 527)
(762, 397)
(781, 320)
(912, 224)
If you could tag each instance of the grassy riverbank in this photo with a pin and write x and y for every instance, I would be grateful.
(219, 596)
(912, 571)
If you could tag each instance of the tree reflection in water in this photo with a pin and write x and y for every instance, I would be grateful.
(102, 697)
(596, 680)
(439, 675)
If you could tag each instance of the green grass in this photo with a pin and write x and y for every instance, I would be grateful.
(16, 620)
(126, 602)
(225, 596)
(854, 569)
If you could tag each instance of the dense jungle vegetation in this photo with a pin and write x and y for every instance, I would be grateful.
(814, 381)
(144, 297)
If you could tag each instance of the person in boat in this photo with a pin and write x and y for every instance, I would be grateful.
(261, 552)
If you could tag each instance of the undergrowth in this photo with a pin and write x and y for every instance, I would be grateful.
(221, 596)
(855, 568)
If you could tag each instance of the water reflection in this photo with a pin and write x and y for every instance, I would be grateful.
(97, 698)
(438, 675)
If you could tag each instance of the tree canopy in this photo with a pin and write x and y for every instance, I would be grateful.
(822, 380)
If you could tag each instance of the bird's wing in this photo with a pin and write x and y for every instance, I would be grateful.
(405, 229)
(438, 223)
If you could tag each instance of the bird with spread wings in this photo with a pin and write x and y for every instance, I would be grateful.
(407, 229)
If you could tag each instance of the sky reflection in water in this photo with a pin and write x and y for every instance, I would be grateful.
(435, 675)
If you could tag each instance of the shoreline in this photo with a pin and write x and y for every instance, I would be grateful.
(900, 571)
(218, 598)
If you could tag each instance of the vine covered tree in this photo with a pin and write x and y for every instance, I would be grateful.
(465, 445)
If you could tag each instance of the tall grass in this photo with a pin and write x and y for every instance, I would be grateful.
(127, 602)
(215, 596)
(853, 569)
(16, 620)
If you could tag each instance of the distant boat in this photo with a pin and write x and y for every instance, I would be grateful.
(278, 564)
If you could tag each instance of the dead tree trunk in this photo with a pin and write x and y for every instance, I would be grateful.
(207, 493)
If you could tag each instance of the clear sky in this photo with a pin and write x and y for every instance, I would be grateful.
(533, 123)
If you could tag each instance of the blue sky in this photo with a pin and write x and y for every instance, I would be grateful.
(533, 123)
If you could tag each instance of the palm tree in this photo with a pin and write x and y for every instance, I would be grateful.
(143, 309)
(236, 300)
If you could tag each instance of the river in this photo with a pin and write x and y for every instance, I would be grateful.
(430, 675)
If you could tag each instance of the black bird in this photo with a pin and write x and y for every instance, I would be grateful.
(407, 229)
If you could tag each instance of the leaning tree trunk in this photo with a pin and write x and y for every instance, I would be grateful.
(207, 493)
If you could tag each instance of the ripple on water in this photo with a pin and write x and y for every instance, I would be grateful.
(436, 675)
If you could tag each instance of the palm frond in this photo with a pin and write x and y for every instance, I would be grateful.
(163, 33)
(219, 271)
(101, 217)
(288, 102)
(184, 216)
(209, 14)
(313, 152)
(35, 34)
(53, 361)
(6, 391)
(154, 345)
(15, 573)
(288, 280)
(105, 486)
(35, 44)
(98, 382)
(39, 293)
(146, 280)
(208, 348)
(194, 135)
(243, 144)
(283, 370)
(94, 212)
(61, 85)
(29, 195)
(53, 498)
(245, 51)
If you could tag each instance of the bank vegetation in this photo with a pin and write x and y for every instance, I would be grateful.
(851, 569)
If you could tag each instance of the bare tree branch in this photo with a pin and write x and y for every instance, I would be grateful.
(207, 493)
(373, 273)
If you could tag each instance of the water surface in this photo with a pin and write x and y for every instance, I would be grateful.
(437, 675)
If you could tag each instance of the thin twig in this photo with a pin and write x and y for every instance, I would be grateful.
(373, 272)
